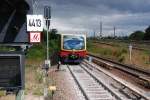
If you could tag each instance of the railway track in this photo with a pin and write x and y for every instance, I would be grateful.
(142, 75)
(91, 88)
(98, 84)
(117, 85)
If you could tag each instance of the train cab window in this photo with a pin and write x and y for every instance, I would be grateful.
(73, 42)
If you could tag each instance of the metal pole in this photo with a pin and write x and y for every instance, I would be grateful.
(100, 29)
(130, 56)
(45, 72)
(45, 84)
(47, 17)
(47, 62)
(20, 95)
(33, 5)
(94, 34)
(47, 42)
(130, 51)
(114, 32)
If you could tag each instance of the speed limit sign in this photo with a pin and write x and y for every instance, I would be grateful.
(35, 23)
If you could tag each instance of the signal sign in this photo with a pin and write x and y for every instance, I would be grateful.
(35, 23)
(35, 37)
(47, 12)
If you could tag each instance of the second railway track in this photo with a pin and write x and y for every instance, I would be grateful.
(140, 74)
(97, 85)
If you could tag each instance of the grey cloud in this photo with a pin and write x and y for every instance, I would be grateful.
(120, 5)
(85, 15)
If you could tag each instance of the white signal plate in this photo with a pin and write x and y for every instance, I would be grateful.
(35, 37)
(35, 23)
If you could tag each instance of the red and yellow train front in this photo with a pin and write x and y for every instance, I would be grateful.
(73, 48)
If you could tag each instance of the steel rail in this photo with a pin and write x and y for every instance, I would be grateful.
(82, 90)
(147, 72)
(113, 93)
(136, 90)
(97, 81)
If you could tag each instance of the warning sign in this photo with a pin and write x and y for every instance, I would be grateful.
(35, 37)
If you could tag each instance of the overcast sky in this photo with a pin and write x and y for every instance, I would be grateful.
(85, 15)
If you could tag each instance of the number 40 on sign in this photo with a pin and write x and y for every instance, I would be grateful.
(35, 37)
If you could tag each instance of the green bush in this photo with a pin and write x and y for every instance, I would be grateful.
(36, 52)
(2, 48)
(38, 91)
(120, 52)
(137, 35)
(121, 59)
(107, 51)
(124, 51)
(39, 77)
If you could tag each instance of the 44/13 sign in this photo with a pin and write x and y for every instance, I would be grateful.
(35, 23)
(35, 37)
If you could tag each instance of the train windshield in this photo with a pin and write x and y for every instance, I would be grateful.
(73, 42)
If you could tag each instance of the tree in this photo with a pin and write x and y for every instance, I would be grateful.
(53, 34)
(147, 34)
(137, 35)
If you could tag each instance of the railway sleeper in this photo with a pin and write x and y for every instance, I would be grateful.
(88, 66)
(144, 83)
(130, 94)
(102, 64)
(127, 92)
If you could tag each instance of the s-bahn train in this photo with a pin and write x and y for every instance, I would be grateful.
(73, 48)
